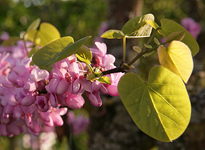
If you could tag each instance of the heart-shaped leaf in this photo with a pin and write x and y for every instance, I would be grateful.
(177, 58)
(161, 107)
(138, 26)
(169, 26)
(113, 34)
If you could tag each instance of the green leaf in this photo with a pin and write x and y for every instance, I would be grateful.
(43, 58)
(137, 49)
(161, 107)
(11, 41)
(84, 54)
(113, 34)
(169, 26)
(105, 79)
(138, 26)
(71, 49)
(47, 33)
(177, 58)
(34, 25)
(33, 51)
(178, 36)
(153, 24)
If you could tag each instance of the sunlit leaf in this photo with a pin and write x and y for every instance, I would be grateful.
(177, 58)
(43, 58)
(113, 34)
(11, 41)
(161, 107)
(105, 79)
(179, 35)
(34, 25)
(169, 26)
(138, 26)
(84, 54)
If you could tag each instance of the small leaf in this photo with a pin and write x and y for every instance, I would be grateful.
(138, 26)
(137, 49)
(34, 25)
(169, 26)
(113, 34)
(105, 79)
(161, 107)
(11, 41)
(156, 41)
(178, 36)
(84, 54)
(148, 46)
(153, 24)
(177, 58)
(43, 57)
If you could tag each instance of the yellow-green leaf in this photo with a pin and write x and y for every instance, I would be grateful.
(47, 33)
(161, 107)
(177, 58)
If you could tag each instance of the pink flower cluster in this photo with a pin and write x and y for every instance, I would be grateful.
(31, 98)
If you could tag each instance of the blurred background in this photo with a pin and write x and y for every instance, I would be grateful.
(110, 127)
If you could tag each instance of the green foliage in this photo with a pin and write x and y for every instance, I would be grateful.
(138, 27)
(160, 107)
(34, 25)
(56, 51)
(134, 28)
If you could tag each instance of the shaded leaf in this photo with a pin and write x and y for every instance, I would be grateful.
(138, 26)
(113, 34)
(71, 49)
(34, 25)
(169, 26)
(43, 58)
(177, 58)
(161, 107)
(178, 36)
(11, 41)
